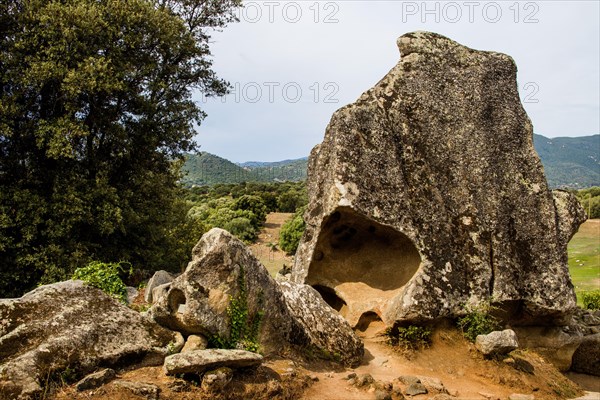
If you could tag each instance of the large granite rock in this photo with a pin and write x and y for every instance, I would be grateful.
(222, 269)
(427, 193)
(70, 324)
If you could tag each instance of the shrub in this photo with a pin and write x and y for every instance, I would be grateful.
(104, 276)
(291, 232)
(242, 228)
(409, 338)
(478, 321)
(591, 300)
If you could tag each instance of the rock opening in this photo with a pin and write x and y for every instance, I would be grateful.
(367, 320)
(177, 301)
(363, 263)
(330, 297)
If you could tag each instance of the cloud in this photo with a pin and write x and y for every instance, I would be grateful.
(292, 70)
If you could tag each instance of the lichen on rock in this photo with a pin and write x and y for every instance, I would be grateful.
(426, 194)
(70, 325)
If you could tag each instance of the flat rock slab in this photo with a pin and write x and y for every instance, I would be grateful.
(199, 361)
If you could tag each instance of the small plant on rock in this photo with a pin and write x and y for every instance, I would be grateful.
(244, 327)
(104, 276)
(478, 321)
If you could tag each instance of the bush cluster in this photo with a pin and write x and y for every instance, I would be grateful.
(478, 321)
(590, 201)
(106, 277)
(411, 337)
(591, 300)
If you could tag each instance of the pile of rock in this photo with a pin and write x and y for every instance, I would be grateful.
(72, 325)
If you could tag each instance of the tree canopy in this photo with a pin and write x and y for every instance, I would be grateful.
(96, 110)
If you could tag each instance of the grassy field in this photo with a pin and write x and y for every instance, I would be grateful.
(584, 257)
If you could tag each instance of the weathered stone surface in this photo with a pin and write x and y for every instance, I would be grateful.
(426, 194)
(160, 291)
(497, 342)
(197, 302)
(325, 329)
(195, 342)
(551, 342)
(70, 324)
(145, 390)
(216, 380)
(570, 214)
(132, 293)
(159, 278)
(199, 361)
(586, 358)
(96, 379)
(433, 384)
(415, 389)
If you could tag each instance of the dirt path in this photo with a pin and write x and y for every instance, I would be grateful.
(272, 258)
(452, 360)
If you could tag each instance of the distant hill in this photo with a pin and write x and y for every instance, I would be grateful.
(258, 164)
(208, 169)
(569, 162)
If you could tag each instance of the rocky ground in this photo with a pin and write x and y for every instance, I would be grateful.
(451, 365)
(450, 361)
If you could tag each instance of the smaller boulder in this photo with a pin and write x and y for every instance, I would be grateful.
(160, 291)
(95, 380)
(433, 384)
(409, 379)
(199, 361)
(195, 342)
(145, 390)
(159, 278)
(216, 380)
(415, 389)
(132, 293)
(586, 358)
(497, 342)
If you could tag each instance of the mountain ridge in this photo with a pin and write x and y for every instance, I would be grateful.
(569, 162)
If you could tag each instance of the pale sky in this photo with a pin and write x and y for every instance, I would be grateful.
(293, 63)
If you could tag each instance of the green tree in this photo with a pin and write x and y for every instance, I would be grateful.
(95, 106)
(254, 204)
(292, 231)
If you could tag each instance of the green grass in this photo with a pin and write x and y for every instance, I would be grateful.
(584, 258)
